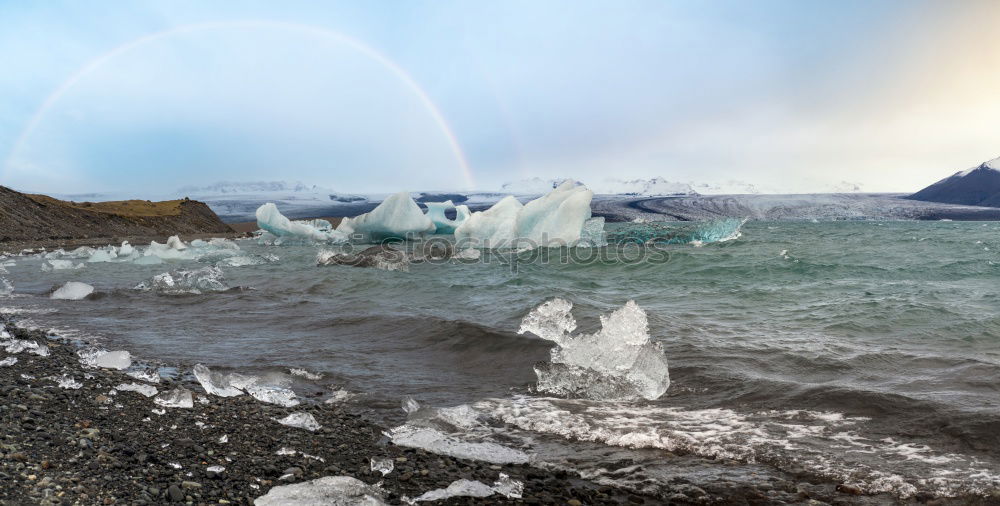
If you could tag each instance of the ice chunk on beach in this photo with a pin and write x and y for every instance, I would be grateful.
(410, 405)
(147, 390)
(222, 385)
(508, 487)
(443, 225)
(94, 357)
(272, 221)
(555, 219)
(273, 394)
(384, 466)
(326, 491)
(397, 217)
(7, 362)
(301, 420)
(68, 382)
(72, 290)
(435, 441)
(492, 228)
(618, 362)
(457, 488)
(147, 375)
(177, 398)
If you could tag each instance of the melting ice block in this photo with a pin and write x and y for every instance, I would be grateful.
(618, 362)
(176, 398)
(492, 228)
(555, 219)
(397, 217)
(72, 290)
(93, 357)
(197, 281)
(329, 490)
(301, 420)
(458, 488)
(147, 390)
(443, 225)
(272, 221)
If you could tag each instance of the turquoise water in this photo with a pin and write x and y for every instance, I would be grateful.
(860, 351)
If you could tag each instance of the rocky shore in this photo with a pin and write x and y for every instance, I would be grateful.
(83, 442)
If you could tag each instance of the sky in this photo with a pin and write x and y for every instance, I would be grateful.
(146, 97)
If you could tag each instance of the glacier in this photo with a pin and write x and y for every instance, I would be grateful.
(397, 217)
(273, 222)
(619, 362)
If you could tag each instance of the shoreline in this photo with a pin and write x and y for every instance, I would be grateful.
(95, 445)
(88, 446)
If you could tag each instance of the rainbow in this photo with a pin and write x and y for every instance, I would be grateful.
(314, 31)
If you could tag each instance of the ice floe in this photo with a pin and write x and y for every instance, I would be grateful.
(618, 362)
(72, 290)
(197, 281)
(329, 490)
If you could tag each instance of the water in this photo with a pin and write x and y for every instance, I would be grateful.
(864, 352)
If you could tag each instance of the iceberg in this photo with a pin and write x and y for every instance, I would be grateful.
(397, 217)
(301, 420)
(272, 221)
(489, 229)
(555, 219)
(108, 254)
(72, 290)
(329, 490)
(618, 362)
(443, 225)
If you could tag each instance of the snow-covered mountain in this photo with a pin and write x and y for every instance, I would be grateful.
(531, 186)
(978, 186)
(251, 187)
(730, 187)
(655, 187)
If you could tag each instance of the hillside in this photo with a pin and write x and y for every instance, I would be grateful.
(978, 186)
(25, 217)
